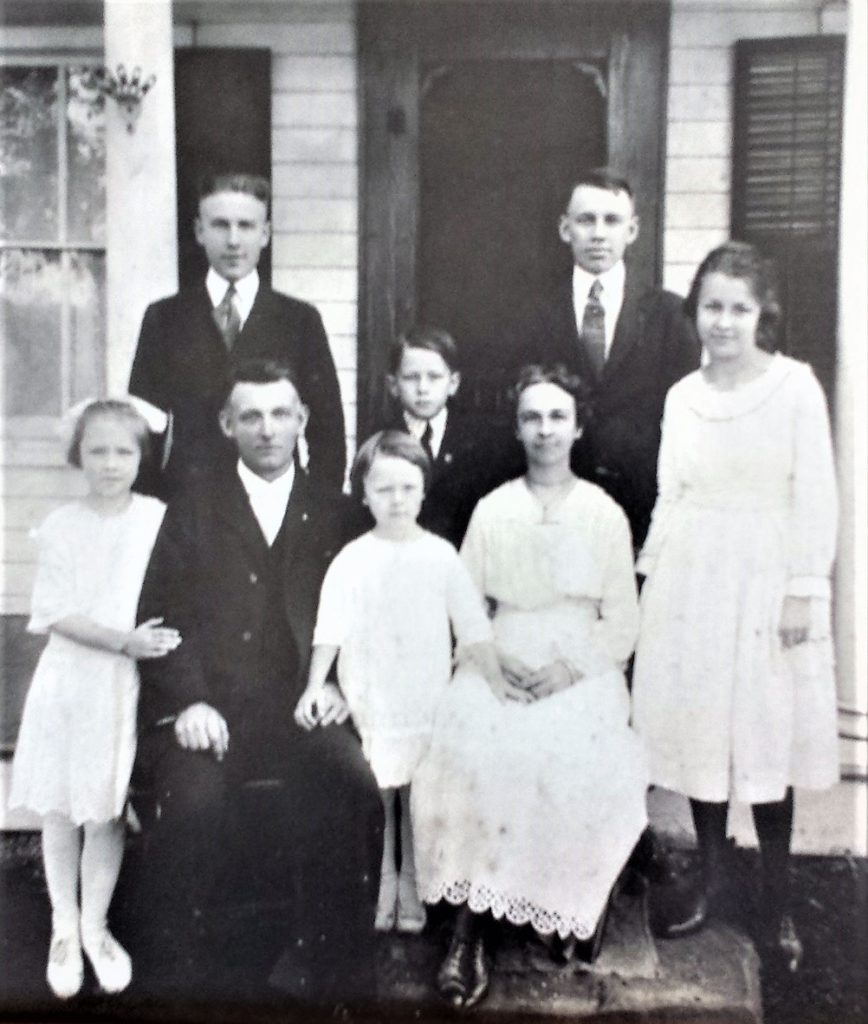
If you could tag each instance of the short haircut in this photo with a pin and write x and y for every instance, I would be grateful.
(396, 443)
(250, 184)
(559, 375)
(117, 409)
(257, 371)
(746, 262)
(426, 336)
(600, 177)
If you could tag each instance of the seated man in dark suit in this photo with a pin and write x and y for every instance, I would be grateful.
(189, 341)
(468, 458)
(629, 344)
(237, 568)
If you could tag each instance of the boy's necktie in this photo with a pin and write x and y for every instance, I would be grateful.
(425, 440)
(227, 317)
(594, 329)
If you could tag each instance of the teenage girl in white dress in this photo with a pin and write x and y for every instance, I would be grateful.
(733, 686)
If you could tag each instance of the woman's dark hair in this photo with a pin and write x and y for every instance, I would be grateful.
(396, 443)
(744, 261)
(556, 374)
(116, 409)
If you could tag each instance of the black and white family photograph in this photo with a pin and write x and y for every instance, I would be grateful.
(434, 510)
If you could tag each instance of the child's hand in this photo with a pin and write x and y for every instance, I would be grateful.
(151, 640)
(307, 709)
(332, 707)
(324, 705)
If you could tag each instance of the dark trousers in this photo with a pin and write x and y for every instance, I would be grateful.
(287, 816)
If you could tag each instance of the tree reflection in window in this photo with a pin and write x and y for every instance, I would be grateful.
(52, 232)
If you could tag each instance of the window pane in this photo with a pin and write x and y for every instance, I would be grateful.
(87, 321)
(85, 128)
(31, 288)
(28, 153)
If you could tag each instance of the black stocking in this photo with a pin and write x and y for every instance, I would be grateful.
(709, 820)
(774, 828)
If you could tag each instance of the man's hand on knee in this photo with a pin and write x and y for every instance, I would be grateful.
(201, 727)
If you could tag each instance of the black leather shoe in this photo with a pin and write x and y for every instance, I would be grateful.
(454, 979)
(480, 974)
(673, 915)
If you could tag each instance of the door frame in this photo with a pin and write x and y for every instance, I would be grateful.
(628, 40)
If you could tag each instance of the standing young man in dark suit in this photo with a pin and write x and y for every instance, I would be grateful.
(237, 568)
(189, 341)
(627, 342)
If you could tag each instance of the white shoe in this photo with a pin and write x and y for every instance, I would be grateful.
(65, 971)
(110, 961)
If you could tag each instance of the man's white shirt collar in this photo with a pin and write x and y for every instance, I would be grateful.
(268, 498)
(245, 291)
(438, 428)
(611, 297)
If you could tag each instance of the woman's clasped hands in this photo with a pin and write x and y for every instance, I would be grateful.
(511, 680)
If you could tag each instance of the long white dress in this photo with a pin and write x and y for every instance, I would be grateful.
(530, 811)
(746, 515)
(77, 741)
(389, 605)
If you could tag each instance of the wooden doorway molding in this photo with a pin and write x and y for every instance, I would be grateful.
(624, 41)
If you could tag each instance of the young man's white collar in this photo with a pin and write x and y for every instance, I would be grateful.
(245, 291)
(611, 297)
(268, 498)
(438, 428)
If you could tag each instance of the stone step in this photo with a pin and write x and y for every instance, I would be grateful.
(709, 978)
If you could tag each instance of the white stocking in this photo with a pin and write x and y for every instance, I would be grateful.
(61, 852)
(100, 864)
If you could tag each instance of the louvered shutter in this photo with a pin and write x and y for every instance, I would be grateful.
(786, 180)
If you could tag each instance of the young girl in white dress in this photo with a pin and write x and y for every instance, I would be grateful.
(77, 740)
(733, 686)
(387, 604)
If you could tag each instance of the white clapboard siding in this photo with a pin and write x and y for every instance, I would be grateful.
(699, 115)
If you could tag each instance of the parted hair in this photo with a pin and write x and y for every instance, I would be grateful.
(113, 408)
(257, 371)
(744, 261)
(600, 177)
(396, 443)
(557, 374)
(426, 336)
(250, 184)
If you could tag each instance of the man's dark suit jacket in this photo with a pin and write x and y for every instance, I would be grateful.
(206, 578)
(472, 461)
(181, 365)
(654, 346)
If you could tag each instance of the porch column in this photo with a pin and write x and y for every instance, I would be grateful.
(851, 581)
(141, 241)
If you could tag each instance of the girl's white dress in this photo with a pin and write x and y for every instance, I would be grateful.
(530, 811)
(388, 605)
(77, 740)
(746, 516)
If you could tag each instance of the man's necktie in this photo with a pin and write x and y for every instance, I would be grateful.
(425, 439)
(594, 329)
(227, 317)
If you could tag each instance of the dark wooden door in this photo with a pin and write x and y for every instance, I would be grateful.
(222, 124)
(476, 117)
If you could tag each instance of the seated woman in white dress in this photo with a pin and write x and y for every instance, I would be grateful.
(532, 795)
